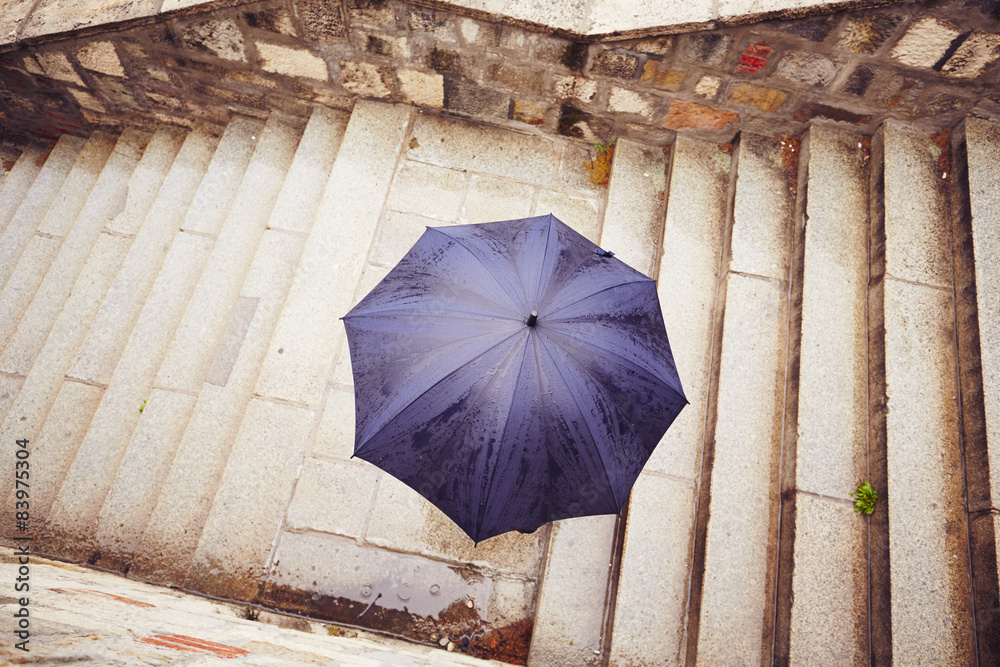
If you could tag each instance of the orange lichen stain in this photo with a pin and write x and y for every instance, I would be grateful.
(194, 645)
(414, 143)
(942, 145)
(790, 147)
(600, 167)
(726, 148)
(507, 644)
(119, 598)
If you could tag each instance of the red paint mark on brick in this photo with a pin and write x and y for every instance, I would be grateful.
(754, 57)
(119, 598)
(194, 645)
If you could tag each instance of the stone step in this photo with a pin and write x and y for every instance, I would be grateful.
(122, 208)
(570, 617)
(659, 535)
(18, 181)
(105, 200)
(733, 591)
(45, 373)
(827, 622)
(190, 354)
(928, 528)
(70, 524)
(23, 220)
(24, 274)
(99, 353)
(259, 478)
(190, 464)
(978, 288)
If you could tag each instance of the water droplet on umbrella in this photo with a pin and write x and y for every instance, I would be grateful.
(404, 593)
(366, 590)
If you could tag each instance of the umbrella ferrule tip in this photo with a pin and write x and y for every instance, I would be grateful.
(532, 319)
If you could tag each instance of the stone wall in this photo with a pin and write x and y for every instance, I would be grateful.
(933, 63)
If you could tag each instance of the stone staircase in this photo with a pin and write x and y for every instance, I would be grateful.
(170, 345)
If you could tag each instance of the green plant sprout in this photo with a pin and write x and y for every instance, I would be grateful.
(142, 407)
(864, 499)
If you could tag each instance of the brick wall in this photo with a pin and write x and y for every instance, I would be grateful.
(930, 63)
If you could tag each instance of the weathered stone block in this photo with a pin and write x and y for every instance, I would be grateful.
(57, 66)
(422, 89)
(88, 101)
(573, 87)
(532, 113)
(274, 20)
(623, 100)
(688, 115)
(322, 20)
(100, 57)
(865, 34)
(662, 76)
(614, 63)
(252, 78)
(221, 38)
(660, 46)
(812, 110)
(364, 79)
(525, 78)
(974, 54)
(291, 61)
(767, 99)
(925, 42)
(859, 80)
(378, 12)
(582, 125)
(815, 30)
(940, 102)
(431, 22)
(465, 96)
(514, 39)
(392, 47)
(444, 60)
(708, 86)
(708, 48)
(899, 90)
(810, 69)
(477, 33)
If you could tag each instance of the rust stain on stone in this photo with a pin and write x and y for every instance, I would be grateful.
(942, 143)
(509, 644)
(600, 167)
(790, 150)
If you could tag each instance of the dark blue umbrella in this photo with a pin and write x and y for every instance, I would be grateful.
(512, 373)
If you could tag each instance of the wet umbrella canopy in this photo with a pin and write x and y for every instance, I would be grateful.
(512, 374)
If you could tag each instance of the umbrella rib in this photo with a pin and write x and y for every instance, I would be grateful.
(493, 481)
(545, 252)
(460, 242)
(579, 409)
(444, 377)
(549, 314)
